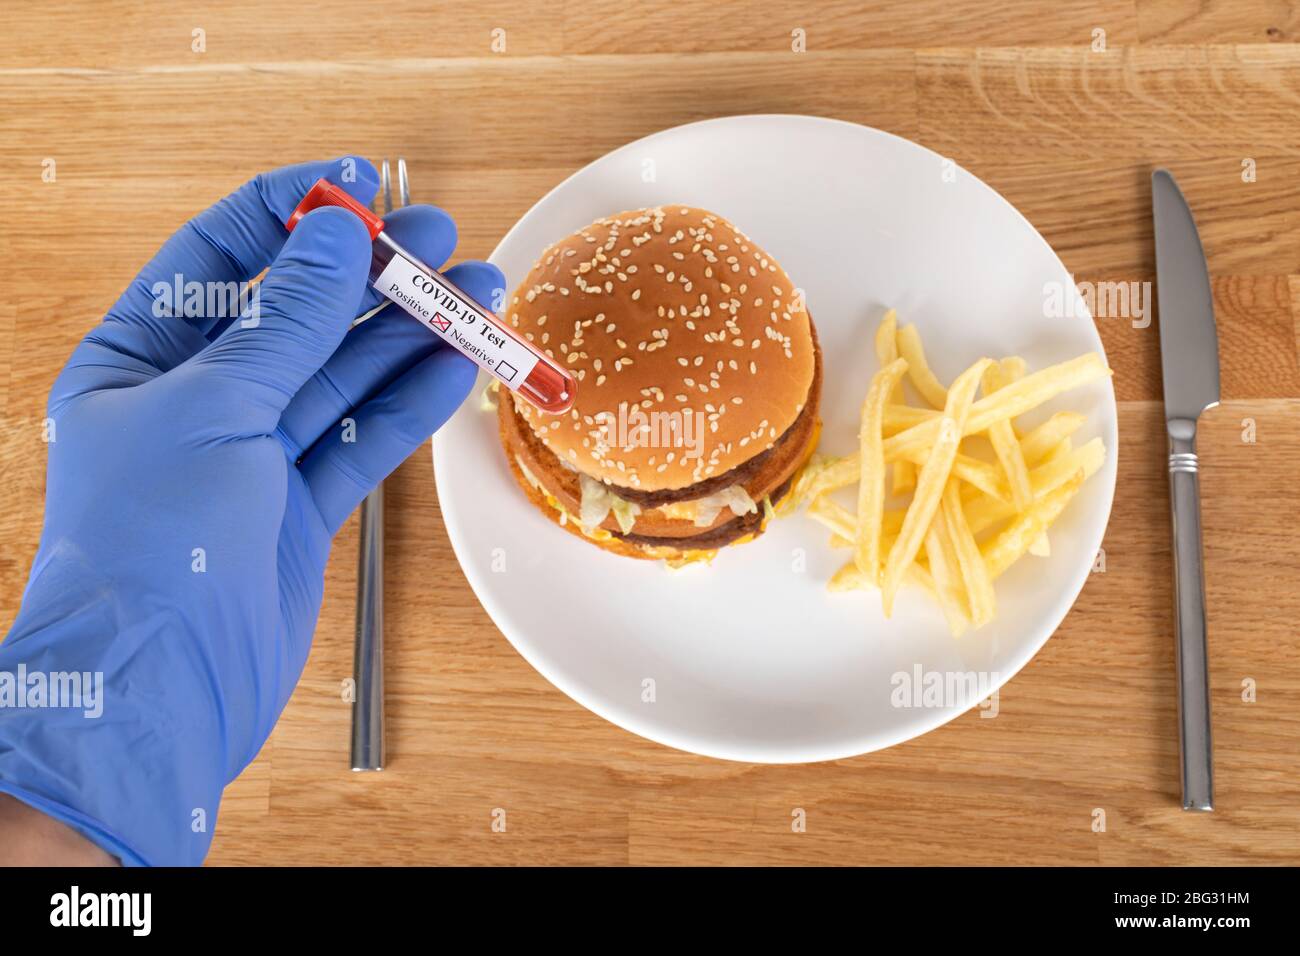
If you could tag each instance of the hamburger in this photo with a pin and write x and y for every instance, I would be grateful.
(698, 380)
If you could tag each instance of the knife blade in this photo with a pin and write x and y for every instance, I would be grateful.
(1189, 342)
(1189, 360)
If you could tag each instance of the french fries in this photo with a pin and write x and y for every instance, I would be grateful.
(945, 570)
(1015, 399)
(918, 370)
(985, 512)
(1007, 447)
(849, 578)
(887, 351)
(871, 469)
(1040, 442)
(1014, 540)
(841, 522)
(901, 417)
(841, 472)
(1013, 369)
(984, 492)
(974, 573)
(978, 473)
(930, 482)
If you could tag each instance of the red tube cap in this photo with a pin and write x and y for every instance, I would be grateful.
(325, 193)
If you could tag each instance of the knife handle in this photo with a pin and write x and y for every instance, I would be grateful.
(1190, 651)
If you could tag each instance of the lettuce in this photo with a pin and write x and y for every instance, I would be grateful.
(736, 498)
(598, 501)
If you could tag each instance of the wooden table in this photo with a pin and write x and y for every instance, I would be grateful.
(1026, 94)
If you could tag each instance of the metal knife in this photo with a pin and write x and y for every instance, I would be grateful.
(1189, 361)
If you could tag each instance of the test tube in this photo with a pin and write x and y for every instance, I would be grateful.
(452, 314)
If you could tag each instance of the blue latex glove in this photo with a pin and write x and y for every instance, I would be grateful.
(250, 438)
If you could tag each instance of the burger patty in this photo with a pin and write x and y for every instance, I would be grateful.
(739, 475)
(724, 534)
(707, 538)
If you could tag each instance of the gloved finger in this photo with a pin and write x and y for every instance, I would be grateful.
(305, 306)
(231, 243)
(427, 231)
(373, 354)
(365, 447)
(197, 283)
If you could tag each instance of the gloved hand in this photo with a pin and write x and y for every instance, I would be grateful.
(199, 466)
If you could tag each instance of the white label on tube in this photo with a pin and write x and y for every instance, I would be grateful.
(465, 326)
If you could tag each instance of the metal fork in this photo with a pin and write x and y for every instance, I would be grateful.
(368, 659)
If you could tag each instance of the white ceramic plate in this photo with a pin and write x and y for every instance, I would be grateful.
(750, 658)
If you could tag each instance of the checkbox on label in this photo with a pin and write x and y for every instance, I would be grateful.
(442, 324)
(506, 371)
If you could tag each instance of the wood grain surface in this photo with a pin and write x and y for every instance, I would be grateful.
(146, 132)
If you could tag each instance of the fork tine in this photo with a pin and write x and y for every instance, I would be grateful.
(386, 188)
(368, 707)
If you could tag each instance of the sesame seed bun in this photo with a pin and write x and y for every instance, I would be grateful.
(675, 311)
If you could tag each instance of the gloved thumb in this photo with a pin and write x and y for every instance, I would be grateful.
(301, 310)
